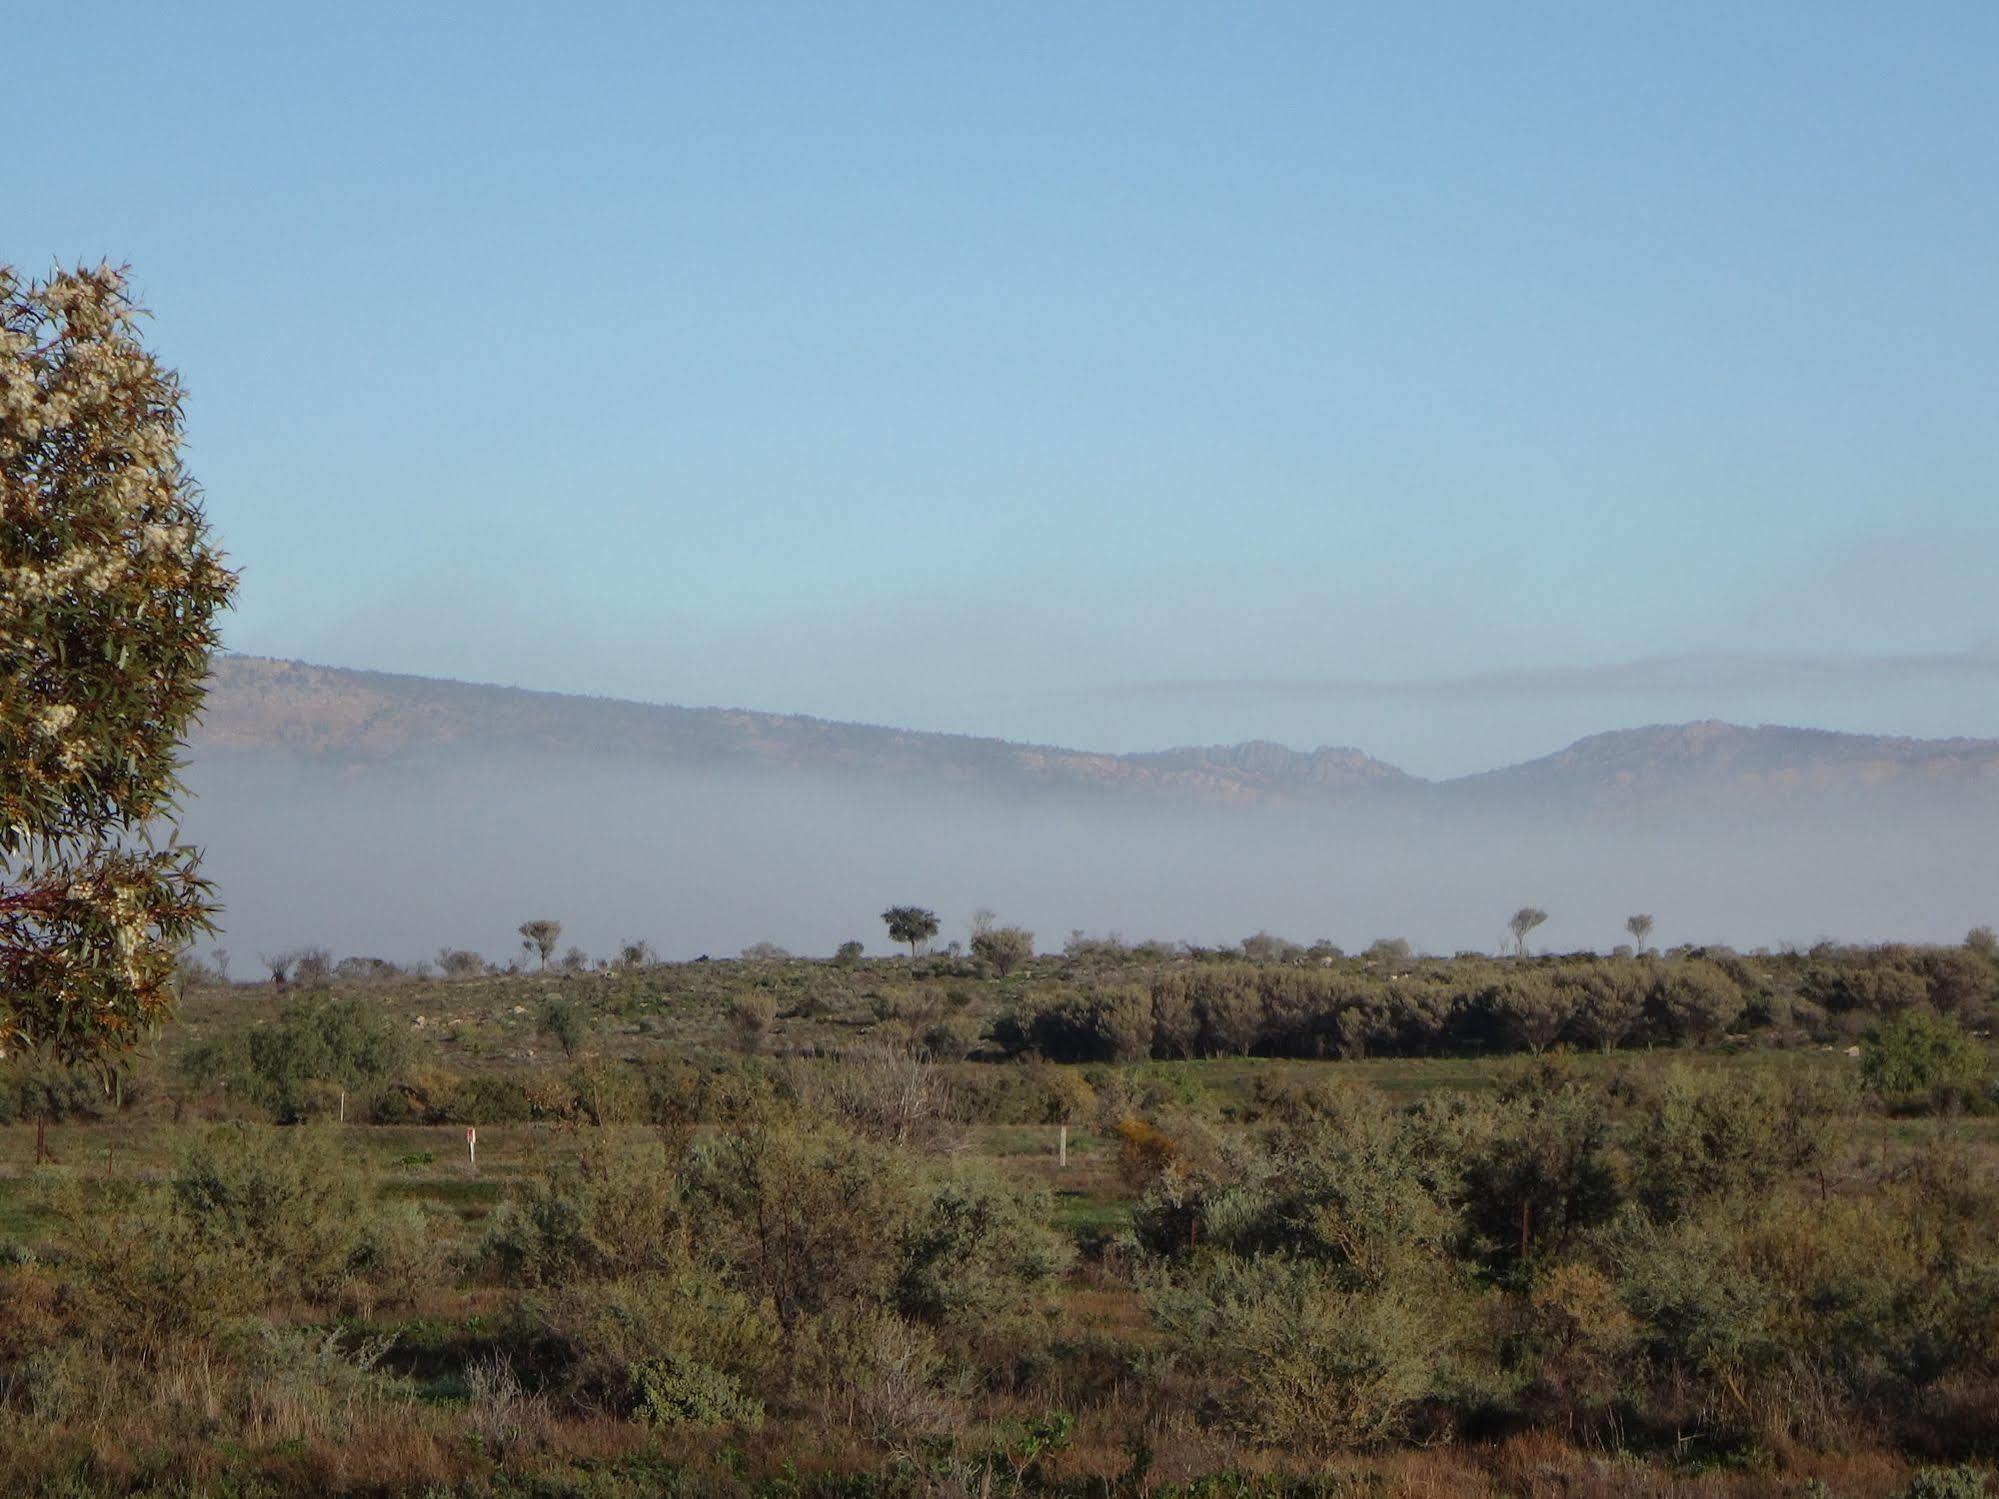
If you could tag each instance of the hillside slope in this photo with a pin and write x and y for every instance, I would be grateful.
(327, 714)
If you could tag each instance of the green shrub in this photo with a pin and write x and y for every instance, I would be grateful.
(880, 1372)
(1004, 948)
(1298, 1361)
(1340, 1181)
(564, 1023)
(976, 1253)
(603, 1091)
(486, 1099)
(299, 1384)
(32, 1091)
(751, 1017)
(801, 1214)
(1708, 1136)
(1946, 1483)
(1229, 1012)
(293, 1209)
(1707, 1319)
(612, 1212)
(673, 1344)
(1694, 1000)
(1918, 1059)
(296, 1067)
(673, 1389)
(1537, 1165)
(249, 1218)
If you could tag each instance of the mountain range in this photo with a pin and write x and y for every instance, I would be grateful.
(295, 711)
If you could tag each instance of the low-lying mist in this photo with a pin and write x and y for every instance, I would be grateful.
(399, 860)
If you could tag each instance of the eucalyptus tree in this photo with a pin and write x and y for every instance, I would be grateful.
(912, 924)
(1521, 923)
(110, 593)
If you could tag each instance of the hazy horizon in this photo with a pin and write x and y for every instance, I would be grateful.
(401, 858)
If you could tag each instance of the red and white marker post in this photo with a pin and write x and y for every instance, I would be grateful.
(472, 1146)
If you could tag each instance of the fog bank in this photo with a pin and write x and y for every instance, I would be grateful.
(397, 861)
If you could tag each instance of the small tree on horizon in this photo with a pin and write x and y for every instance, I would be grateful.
(1521, 923)
(1004, 947)
(459, 963)
(1640, 927)
(540, 937)
(912, 924)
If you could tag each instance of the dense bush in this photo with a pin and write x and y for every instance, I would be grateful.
(1299, 1360)
(32, 1092)
(1921, 1059)
(298, 1066)
(1004, 947)
(1663, 1254)
(1337, 1008)
(975, 1253)
(247, 1220)
(614, 1211)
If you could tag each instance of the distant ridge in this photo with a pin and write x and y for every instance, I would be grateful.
(258, 706)
(1708, 759)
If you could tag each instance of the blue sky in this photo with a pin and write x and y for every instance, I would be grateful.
(1446, 380)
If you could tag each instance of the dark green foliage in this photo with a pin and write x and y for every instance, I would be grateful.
(1109, 1025)
(1532, 1009)
(1606, 1002)
(31, 1091)
(1537, 1167)
(1886, 980)
(1272, 1009)
(563, 1022)
(296, 1067)
(976, 1253)
(1694, 1000)
(1921, 1059)
(911, 924)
